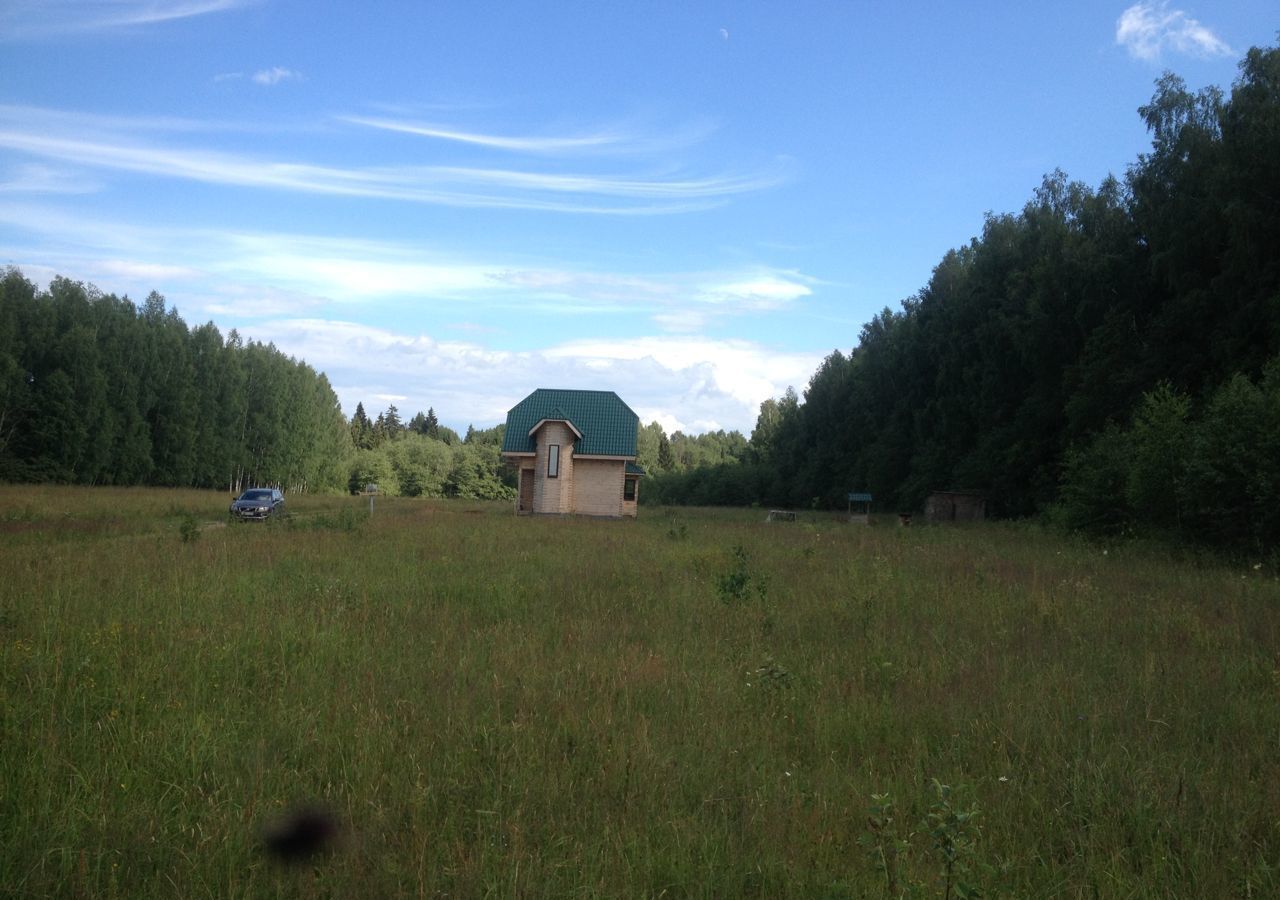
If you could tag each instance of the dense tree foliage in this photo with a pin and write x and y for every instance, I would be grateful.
(426, 459)
(96, 390)
(1107, 353)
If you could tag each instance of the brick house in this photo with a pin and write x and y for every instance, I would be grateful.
(575, 452)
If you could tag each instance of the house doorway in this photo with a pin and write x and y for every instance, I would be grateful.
(526, 491)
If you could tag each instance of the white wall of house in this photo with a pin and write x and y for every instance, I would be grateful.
(553, 495)
(597, 487)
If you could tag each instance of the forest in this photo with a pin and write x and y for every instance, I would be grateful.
(1108, 358)
(96, 390)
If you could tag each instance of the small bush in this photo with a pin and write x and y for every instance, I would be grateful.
(738, 583)
(189, 529)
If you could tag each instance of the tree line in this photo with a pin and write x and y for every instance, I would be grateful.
(97, 390)
(1107, 355)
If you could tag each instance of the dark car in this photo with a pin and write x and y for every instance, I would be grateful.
(258, 503)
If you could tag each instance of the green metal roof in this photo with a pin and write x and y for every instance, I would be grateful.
(633, 469)
(607, 424)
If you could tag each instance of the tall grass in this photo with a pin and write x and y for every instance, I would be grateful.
(566, 707)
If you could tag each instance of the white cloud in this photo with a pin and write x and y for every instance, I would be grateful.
(42, 18)
(1147, 28)
(55, 136)
(704, 384)
(275, 75)
(690, 384)
(348, 277)
(525, 144)
(612, 140)
(37, 178)
(257, 274)
(685, 320)
(762, 290)
(158, 273)
(245, 302)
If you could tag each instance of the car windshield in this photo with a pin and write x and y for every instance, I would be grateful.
(256, 495)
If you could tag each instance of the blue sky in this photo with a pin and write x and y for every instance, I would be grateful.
(451, 204)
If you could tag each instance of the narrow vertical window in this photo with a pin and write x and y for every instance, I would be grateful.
(629, 490)
(553, 461)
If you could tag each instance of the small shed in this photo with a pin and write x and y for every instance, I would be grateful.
(955, 506)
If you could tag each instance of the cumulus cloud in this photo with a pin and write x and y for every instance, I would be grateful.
(1147, 28)
(691, 384)
(275, 75)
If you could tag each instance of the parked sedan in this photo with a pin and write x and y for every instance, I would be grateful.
(258, 503)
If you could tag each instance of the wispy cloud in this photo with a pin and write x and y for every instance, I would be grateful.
(677, 302)
(307, 270)
(524, 144)
(613, 140)
(762, 289)
(275, 75)
(41, 179)
(158, 273)
(1147, 28)
(22, 19)
(461, 186)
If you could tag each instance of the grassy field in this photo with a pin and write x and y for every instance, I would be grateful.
(695, 703)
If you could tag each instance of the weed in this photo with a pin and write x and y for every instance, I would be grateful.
(954, 837)
(952, 843)
(189, 529)
(677, 530)
(883, 843)
(738, 583)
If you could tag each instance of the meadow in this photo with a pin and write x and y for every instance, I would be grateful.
(693, 704)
